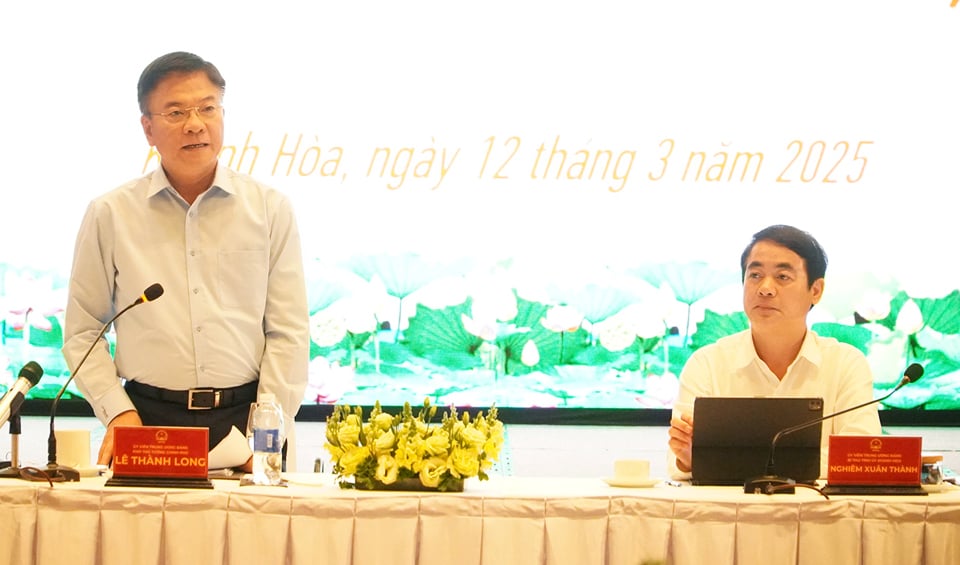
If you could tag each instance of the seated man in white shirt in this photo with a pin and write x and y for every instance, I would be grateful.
(783, 278)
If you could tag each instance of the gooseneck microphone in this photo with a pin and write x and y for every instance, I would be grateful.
(29, 376)
(60, 472)
(771, 483)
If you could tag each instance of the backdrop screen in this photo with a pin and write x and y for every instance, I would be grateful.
(528, 204)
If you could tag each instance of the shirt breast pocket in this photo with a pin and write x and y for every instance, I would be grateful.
(243, 278)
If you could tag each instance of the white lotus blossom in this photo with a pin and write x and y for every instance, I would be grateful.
(562, 318)
(327, 327)
(909, 320)
(874, 305)
(530, 355)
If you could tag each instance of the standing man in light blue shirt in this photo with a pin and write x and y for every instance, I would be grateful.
(233, 319)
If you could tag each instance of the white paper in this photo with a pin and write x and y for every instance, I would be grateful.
(232, 451)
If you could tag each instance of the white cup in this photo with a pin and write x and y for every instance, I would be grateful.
(631, 469)
(73, 448)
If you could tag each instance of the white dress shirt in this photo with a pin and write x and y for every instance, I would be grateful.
(234, 306)
(825, 368)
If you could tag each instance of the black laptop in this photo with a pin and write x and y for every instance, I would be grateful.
(732, 437)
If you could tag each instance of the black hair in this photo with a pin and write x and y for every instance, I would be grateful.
(796, 240)
(171, 63)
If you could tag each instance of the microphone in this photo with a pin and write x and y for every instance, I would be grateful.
(771, 483)
(60, 472)
(10, 412)
(29, 376)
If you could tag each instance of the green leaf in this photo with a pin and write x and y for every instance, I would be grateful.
(941, 314)
(595, 356)
(598, 302)
(453, 360)
(936, 362)
(402, 273)
(857, 336)
(431, 330)
(548, 342)
(690, 282)
(715, 326)
(393, 353)
(896, 304)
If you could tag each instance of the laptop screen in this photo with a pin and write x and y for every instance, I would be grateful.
(732, 438)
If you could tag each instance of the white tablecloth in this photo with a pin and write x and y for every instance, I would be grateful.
(502, 521)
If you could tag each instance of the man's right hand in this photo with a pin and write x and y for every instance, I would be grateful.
(681, 441)
(128, 418)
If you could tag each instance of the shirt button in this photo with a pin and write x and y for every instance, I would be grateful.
(196, 290)
(192, 253)
(198, 329)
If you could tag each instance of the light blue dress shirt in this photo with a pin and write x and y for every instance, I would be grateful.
(234, 306)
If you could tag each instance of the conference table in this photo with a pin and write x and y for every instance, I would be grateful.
(506, 520)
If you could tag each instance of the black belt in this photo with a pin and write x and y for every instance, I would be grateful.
(198, 398)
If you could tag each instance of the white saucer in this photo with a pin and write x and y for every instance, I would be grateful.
(92, 471)
(630, 483)
(938, 488)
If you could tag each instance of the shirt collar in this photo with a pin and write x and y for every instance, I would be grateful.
(222, 180)
(809, 350)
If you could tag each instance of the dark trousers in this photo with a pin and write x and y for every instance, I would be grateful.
(217, 420)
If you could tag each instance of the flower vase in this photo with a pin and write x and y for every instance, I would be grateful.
(412, 484)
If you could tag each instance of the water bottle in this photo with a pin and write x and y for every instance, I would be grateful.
(266, 440)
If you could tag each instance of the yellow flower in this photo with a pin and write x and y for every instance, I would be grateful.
(335, 452)
(387, 469)
(472, 437)
(464, 462)
(348, 435)
(437, 444)
(386, 448)
(352, 459)
(432, 471)
(384, 444)
(383, 421)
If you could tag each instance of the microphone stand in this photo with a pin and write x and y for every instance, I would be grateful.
(13, 471)
(61, 473)
(55, 471)
(771, 483)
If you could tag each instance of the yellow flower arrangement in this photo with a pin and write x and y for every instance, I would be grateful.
(386, 449)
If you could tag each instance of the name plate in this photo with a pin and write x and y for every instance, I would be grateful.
(160, 452)
(874, 460)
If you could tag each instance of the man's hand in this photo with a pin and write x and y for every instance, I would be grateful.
(128, 418)
(681, 441)
(247, 467)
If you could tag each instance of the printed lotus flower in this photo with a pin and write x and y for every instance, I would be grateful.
(389, 448)
(327, 382)
(530, 355)
(909, 319)
(327, 328)
(874, 305)
(619, 331)
(490, 311)
(30, 301)
(562, 318)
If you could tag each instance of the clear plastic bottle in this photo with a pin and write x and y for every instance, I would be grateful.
(266, 440)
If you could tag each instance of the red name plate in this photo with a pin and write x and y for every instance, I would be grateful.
(160, 452)
(874, 460)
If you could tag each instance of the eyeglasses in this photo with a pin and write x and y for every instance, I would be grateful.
(180, 115)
